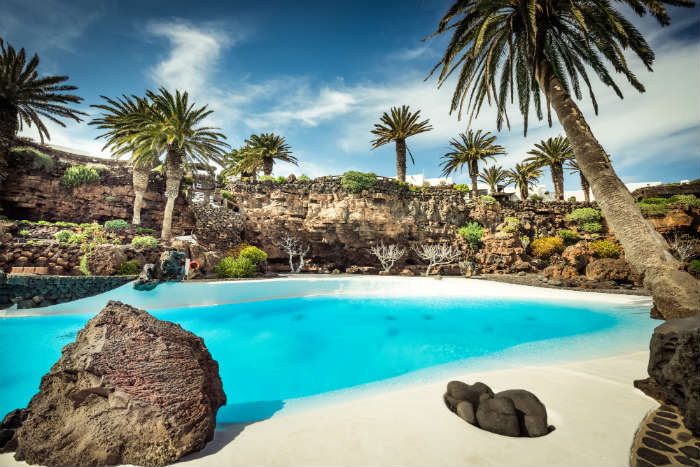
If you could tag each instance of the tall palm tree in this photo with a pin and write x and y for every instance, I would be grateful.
(553, 152)
(269, 148)
(244, 161)
(524, 176)
(25, 98)
(123, 118)
(493, 176)
(471, 148)
(574, 168)
(548, 47)
(171, 126)
(401, 124)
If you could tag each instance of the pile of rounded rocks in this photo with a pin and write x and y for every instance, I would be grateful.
(515, 412)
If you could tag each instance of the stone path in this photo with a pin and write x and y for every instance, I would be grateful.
(663, 439)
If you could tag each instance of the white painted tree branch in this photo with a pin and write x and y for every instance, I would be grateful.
(387, 255)
(436, 254)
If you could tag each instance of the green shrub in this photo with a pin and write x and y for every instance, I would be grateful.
(25, 221)
(145, 230)
(695, 264)
(462, 187)
(653, 209)
(568, 236)
(79, 175)
(144, 241)
(43, 223)
(525, 242)
(63, 235)
(116, 225)
(77, 237)
(486, 199)
(592, 227)
(40, 161)
(654, 201)
(583, 215)
(510, 224)
(109, 198)
(355, 182)
(685, 200)
(281, 179)
(231, 267)
(267, 178)
(303, 178)
(83, 265)
(254, 254)
(536, 197)
(472, 232)
(572, 199)
(227, 196)
(65, 224)
(606, 249)
(546, 246)
(24, 232)
(595, 235)
(129, 268)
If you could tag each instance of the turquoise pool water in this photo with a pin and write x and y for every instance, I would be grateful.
(275, 350)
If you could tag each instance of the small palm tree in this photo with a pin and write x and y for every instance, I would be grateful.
(493, 176)
(171, 126)
(401, 124)
(553, 152)
(529, 48)
(25, 99)
(574, 168)
(524, 176)
(123, 118)
(242, 161)
(268, 148)
(470, 149)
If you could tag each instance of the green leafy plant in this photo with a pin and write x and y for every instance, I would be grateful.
(462, 187)
(63, 235)
(42, 222)
(281, 179)
(79, 175)
(24, 232)
(116, 225)
(651, 210)
(486, 199)
(536, 197)
(695, 264)
(109, 198)
(129, 268)
(144, 241)
(525, 242)
(606, 249)
(572, 199)
(230, 267)
(83, 265)
(592, 227)
(356, 182)
(254, 254)
(568, 236)
(303, 178)
(227, 196)
(40, 161)
(77, 237)
(25, 221)
(583, 215)
(65, 224)
(472, 233)
(510, 224)
(144, 230)
(654, 201)
(546, 246)
(685, 200)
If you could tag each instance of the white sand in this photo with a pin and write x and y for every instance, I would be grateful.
(592, 404)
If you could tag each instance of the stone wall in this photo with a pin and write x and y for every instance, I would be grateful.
(35, 291)
(668, 190)
(37, 194)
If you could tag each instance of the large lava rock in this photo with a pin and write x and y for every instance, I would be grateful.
(674, 368)
(131, 389)
(105, 260)
(608, 269)
(514, 412)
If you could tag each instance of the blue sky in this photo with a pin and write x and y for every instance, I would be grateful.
(321, 73)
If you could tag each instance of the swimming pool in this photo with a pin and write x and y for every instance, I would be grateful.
(282, 340)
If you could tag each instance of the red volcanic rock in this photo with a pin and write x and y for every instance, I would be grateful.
(608, 269)
(131, 389)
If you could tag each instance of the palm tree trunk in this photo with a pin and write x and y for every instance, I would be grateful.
(557, 180)
(474, 174)
(585, 187)
(8, 130)
(139, 177)
(401, 160)
(523, 193)
(675, 292)
(268, 163)
(173, 172)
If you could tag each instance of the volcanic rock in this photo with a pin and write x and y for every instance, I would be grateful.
(498, 415)
(131, 389)
(105, 260)
(608, 269)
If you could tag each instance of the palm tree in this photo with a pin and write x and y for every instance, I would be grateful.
(572, 165)
(243, 161)
(471, 148)
(25, 98)
(548, 47)
(524, 176)
(493, 176)
(123, 118)
(553, 152)
(268, 148)
(398, 126)
(171, 126)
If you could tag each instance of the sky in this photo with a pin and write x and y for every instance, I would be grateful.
(321, 74)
